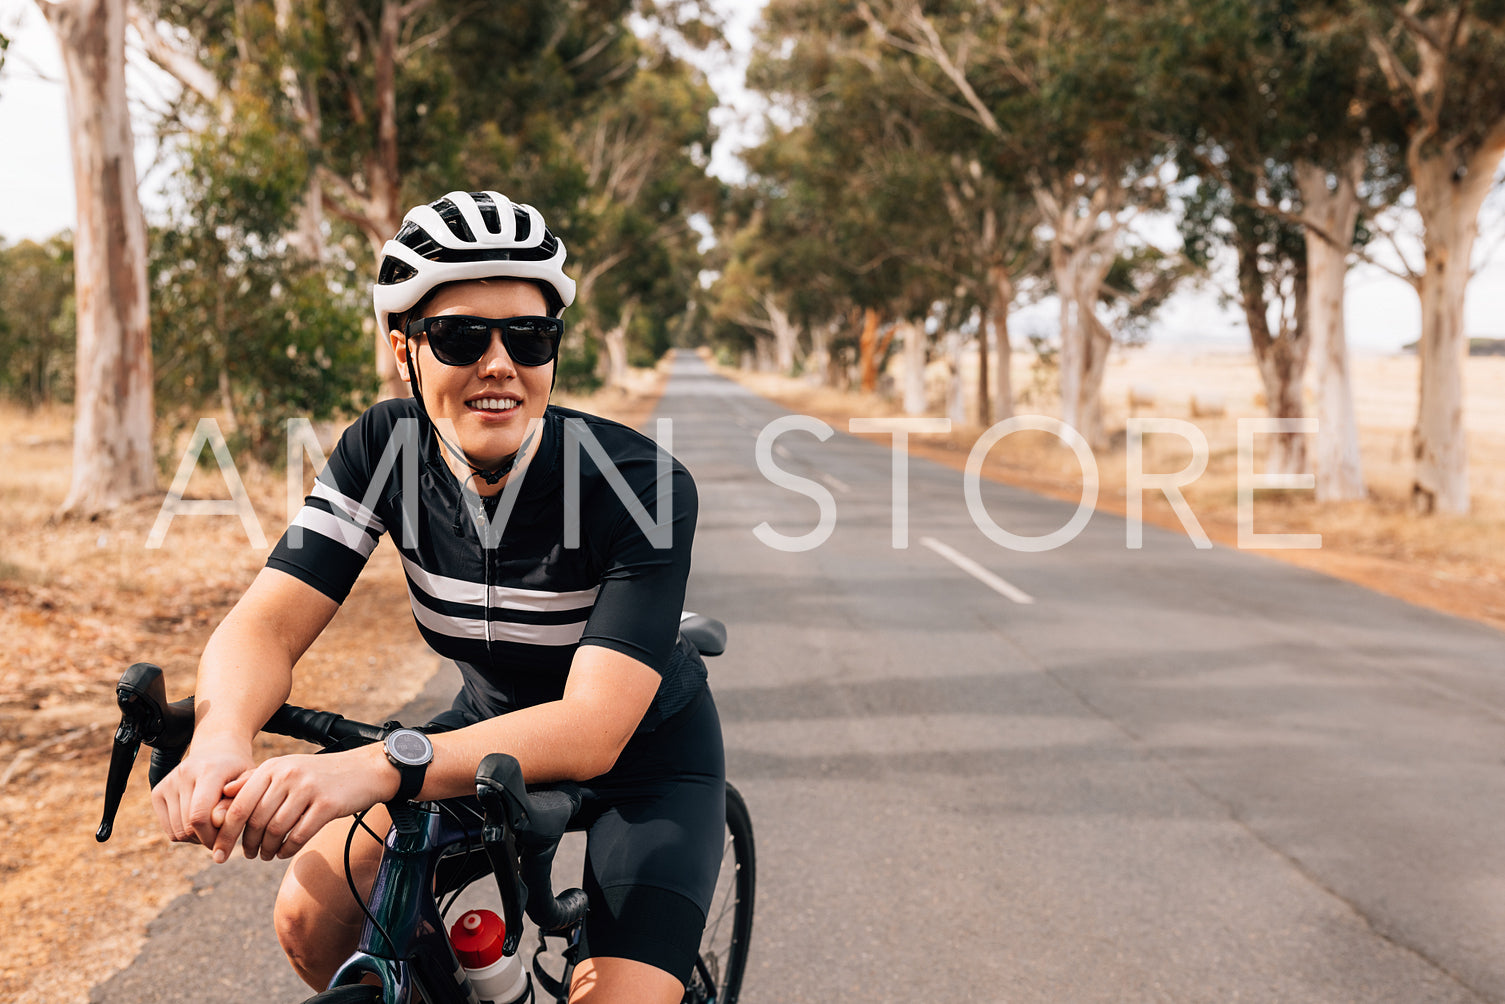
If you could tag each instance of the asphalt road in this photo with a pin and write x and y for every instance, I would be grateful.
(1088, 773)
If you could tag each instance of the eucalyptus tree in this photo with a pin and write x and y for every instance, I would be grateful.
(779, 270)
(644, 151)
(1441, 62)
(918, 207)
(113, 459)
(1274, 132)
(242, 323)
(1061, 87)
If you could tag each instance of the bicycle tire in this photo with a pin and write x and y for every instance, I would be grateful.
(362, 994)
(728, 930)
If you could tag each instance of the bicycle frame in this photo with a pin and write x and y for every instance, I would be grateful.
(421, 965)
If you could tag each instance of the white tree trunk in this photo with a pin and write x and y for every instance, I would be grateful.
(1333, 211)
(913, 336)
(113, 413)
(1449, 207)
(819, 361)
(1085, 344)
(1281, 359)
(786, 335)
(956, 396)
(1081, 254)
(615, 342)
(1003, 351)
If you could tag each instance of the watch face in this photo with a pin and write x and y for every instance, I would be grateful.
(409, 747)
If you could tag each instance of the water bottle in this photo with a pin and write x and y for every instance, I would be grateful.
(496, 978)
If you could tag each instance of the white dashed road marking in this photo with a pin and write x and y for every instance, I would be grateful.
(975, 570)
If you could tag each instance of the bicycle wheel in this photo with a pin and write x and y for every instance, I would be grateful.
(347, 995)
(728, 928)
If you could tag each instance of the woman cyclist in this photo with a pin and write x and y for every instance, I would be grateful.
(539, 557)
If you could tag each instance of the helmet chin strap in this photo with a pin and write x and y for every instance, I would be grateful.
(489, 475)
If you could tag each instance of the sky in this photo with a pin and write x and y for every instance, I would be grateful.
(36, 200)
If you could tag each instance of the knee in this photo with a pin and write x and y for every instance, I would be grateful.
(314, 935)
(296, 918)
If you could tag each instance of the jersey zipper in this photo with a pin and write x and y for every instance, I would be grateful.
(486, 564)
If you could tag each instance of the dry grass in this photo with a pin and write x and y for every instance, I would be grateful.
(1456, 564)
(81, 600)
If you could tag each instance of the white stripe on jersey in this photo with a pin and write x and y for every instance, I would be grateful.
(442, 587)
(474, 628)
(349, 507)
(339, 530)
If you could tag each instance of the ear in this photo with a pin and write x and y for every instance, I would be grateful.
(399, 352)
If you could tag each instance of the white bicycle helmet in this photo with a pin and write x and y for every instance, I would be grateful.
(468, 235)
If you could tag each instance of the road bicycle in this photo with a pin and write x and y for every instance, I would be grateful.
(435, 850)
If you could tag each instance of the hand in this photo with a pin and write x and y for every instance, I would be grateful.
(279, 806)
(191, 802)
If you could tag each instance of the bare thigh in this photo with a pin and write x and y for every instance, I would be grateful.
(318, 921)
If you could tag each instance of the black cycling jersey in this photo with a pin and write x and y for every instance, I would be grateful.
(589, 544)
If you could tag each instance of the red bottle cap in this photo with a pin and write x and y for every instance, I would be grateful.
(477, 937)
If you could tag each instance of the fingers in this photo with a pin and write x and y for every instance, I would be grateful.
(274, 813)
(240, 813)
(199, 803)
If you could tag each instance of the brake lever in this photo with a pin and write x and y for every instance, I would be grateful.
(145, 717)
(502, 794)
(141, 695)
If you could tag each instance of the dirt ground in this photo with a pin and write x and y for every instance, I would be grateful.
(82, 600)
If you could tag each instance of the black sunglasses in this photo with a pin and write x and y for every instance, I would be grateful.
(461, 340)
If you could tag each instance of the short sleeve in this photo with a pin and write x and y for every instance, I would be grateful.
(329, 540)
(638, 609)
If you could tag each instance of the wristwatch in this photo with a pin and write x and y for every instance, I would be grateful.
(410, 752)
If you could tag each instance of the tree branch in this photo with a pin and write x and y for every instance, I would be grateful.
(1396, 75)
(408, 48)
(935, 52)
(183, 66)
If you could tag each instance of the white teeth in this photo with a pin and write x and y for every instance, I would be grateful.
(495, 404)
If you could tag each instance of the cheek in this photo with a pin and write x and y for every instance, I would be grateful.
(541, 380)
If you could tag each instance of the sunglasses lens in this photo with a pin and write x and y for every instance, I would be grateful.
(532, 341)
(458, 341)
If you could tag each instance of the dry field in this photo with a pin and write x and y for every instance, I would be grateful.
(1455, 564)
(80, 601)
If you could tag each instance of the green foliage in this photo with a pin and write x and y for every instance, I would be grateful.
(37, 331)
(576, 368)
(242, 326)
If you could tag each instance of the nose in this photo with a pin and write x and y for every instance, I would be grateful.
(496, 362)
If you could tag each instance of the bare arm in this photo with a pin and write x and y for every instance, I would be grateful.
(245, 674)
(573, 739)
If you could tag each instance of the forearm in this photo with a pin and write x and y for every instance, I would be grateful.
(552, 742)
(245, 674)
(246, 671)
(573, 739)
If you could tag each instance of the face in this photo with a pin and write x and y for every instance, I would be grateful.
(484, 408)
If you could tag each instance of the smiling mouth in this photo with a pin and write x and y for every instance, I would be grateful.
(493, 404)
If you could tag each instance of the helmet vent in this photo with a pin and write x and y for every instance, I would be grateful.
(524, 227)
(489, 214)
(394, 270)
(454, 219)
